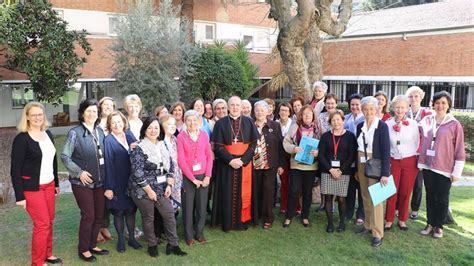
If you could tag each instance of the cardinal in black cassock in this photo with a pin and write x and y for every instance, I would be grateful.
(234, 138)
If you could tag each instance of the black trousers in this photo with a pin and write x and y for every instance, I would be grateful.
(300, 182)
(417, 192)
(194, 202)
(351, 199)
(437, 197)
(265, 186)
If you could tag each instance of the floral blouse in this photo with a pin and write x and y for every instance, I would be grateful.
(145, 172)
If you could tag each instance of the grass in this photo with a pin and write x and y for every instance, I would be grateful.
(468, 169)
(59, 143)
(257, 246)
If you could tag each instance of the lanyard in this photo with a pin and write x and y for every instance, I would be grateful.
(336, 144)
(97, 142)
(436, 128)
(417, 113)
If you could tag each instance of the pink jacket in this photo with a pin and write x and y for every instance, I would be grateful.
(449, 147)
(191, 153)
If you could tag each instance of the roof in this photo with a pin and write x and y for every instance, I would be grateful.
(449, 14)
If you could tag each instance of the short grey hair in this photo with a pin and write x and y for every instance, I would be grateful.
(415, 89)
(369, 100)
(399, 98)
(218, 101)
(321, 85)
(247, 102)
(261, 103)
(191, 113)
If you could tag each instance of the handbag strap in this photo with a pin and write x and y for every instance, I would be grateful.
(365, 145)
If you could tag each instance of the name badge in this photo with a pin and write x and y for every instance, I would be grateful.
(430, 153)
(363, 160)
(196, 167)
(161, 179)
(101, 161)
(335, 163)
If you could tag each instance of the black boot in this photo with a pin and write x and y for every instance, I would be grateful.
(175, 250)
(153, 251)
(342, 226)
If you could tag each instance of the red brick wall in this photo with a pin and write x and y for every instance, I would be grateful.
(209, 10)
(436, 55)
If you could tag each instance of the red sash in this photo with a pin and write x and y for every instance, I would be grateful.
(238, 149)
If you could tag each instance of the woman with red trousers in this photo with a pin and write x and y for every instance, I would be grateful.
(404, 142)
(34, 173)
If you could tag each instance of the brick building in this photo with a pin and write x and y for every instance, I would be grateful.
(428, 45)
(212, 21)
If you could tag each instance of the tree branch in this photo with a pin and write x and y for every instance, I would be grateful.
(327, 23)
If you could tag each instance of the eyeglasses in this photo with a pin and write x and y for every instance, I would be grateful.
(36, 115)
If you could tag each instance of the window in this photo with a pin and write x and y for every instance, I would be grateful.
(462, 93)
(248, 41)
(209, 32)
(21, 95)
(366, 89)
(113, 24)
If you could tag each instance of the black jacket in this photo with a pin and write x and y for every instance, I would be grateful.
(26, 164)
(380, 145)
(274, 140)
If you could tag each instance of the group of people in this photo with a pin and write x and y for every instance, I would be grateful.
(222, 158)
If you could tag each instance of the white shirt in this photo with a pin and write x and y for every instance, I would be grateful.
(48, 151)
(285, 128)
(369, 135)
(409, 137)
(135, 126)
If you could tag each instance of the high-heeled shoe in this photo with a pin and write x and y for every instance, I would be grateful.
(54, 261)
(134, 244)
(175, 250)
(341, 227)
(330, 228)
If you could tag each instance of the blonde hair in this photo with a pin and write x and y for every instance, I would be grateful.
(399, 98)
(166, 117)
(415, 89)
(132, 98)
(24, 124)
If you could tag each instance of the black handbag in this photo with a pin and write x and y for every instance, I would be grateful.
(373, 167)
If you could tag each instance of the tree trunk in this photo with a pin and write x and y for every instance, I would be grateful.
(187, 17)
(299, 42)
(290, 43)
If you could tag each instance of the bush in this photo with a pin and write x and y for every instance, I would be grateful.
(466, 121)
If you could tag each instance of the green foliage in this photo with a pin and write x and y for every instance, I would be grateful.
(35, 41)
(344, 107)
(221, 73)
(466, 121)
(152, 54)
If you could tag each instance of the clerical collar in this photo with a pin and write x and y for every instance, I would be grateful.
(235, 118)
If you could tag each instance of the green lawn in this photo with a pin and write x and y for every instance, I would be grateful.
(257, 246)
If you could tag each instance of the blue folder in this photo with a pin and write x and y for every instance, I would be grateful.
(307, 144)
(379, 193)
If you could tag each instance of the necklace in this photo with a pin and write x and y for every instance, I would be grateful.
(233, 132)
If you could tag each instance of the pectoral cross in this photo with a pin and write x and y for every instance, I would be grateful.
(235, 139)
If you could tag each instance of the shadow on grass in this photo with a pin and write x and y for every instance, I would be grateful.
(295, 245)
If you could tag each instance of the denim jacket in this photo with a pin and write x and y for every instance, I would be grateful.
(80, 153)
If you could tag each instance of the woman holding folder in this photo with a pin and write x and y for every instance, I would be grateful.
(373, 144)
(337, 156)
(404, 141)
(302, 174)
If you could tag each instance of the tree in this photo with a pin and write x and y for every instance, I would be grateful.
(36, 42)
(152, 54)
(299, 42)
(218, 72)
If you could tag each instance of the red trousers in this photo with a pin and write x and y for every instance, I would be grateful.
(285, 180)
(40, 207)
(404, 173)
